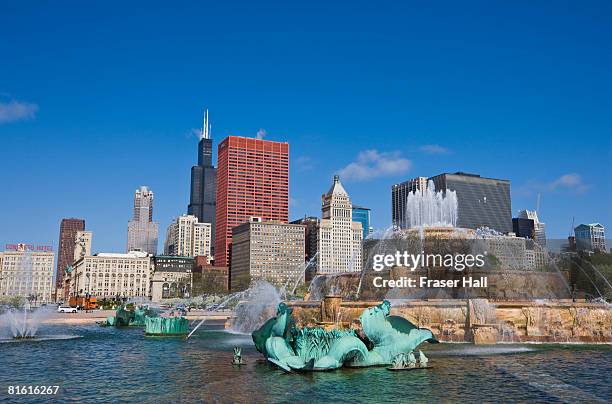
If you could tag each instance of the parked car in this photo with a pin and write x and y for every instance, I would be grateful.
(66, 309)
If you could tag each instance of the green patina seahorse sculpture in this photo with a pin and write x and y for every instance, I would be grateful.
(274, 337)
(391, 335)
(124, 317)
(316, 349)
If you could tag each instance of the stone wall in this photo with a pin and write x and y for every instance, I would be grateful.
(476, 320)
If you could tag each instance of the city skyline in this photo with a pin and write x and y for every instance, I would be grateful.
(569, 182)
(294, 216)
(521, 104)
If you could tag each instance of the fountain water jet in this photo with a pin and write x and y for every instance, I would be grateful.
(22, 323)
(428, 208)
(255, 305)
(301, 276)
(260, 304)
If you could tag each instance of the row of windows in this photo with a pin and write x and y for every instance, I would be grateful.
(25, 284)
(8, 277)
(115, 272)
(106, 275)
(120, 261)
(19, 268)
(26, 258)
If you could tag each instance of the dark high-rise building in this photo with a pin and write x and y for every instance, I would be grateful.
(523, 227)
(204, 182)
(65, 251)
(311, 224)
(482, 202)
(536, 230)
(253, 181)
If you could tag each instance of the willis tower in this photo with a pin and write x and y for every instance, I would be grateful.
(203, 181)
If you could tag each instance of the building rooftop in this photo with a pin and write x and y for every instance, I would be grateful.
(131, 254)
(589, 225)
(470, 175)
(465, 174)
(337, 188)
(252, 139)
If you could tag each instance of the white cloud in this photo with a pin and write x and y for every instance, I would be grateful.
(372, 164)
(433, 149)
(571, 181)
(196, 132)
(304, 163)
(261, 133)
(13, 111)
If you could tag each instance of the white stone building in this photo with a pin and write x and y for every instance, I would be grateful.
(28, 274)
(112, 275)
(339, 238)
(187, 237)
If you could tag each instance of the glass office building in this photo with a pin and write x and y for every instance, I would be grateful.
(362, 215)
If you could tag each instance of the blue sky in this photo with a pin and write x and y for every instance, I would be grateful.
(97, 99)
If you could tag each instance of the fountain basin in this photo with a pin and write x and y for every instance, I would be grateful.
(166, 326)
(548, 321)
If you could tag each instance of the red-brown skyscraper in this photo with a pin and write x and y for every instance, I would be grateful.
(252, 180)
(65, 250)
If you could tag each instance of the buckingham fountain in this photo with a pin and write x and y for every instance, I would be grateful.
(338, 329)
(344, 321)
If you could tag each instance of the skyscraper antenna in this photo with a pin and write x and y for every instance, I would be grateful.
(206, 126)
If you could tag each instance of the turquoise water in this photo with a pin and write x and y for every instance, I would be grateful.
(122, 365)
